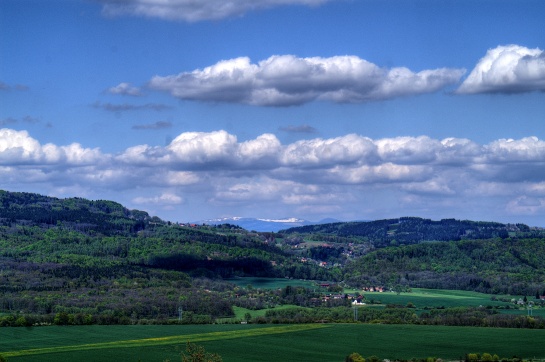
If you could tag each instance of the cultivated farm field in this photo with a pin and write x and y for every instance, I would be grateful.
(433, 298)
(316, 342)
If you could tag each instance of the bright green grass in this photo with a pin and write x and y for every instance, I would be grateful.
(435, 298)
(316, 342)
(271, 283)
(431, 298)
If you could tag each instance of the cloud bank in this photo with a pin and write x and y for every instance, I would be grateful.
(193, 11)
(311, 176)
(507, 69)
(286, 80)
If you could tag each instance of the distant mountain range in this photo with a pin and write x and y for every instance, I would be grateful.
(264, 225)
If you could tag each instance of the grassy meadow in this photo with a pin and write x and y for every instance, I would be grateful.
(315, 342)
(431, 298)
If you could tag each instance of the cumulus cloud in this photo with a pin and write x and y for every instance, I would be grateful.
(507, 69)
(208, 150)
(286, 80)
(17, 147)
(510, 150)
(193, 11)
(349, 149)
(315, 174)
(125, 89)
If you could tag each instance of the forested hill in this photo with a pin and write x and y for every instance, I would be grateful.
(506, 266)
(101, 261)
(84, 233)
(412, 230)
(98, 262)
(106, 217)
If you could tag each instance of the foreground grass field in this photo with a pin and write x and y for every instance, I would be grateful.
(316, 342)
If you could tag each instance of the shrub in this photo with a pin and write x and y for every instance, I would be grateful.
(354, 357)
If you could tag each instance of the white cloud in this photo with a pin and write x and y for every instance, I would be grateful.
(349, 149)
(163, 199)
(17, 147)
(203, 148)
(409, 149)
(526, 206)
(507, 69)
(431, 186)
(285, 80)
(177, 178)
(262, 150)
(510, 150)
(260, 189)
(383, 173)
(191, 10)
(125, 89)
(218, 170)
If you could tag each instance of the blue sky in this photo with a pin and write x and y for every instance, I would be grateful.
(352, 109)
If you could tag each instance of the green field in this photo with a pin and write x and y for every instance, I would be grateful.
(422, 298)
(316, 342)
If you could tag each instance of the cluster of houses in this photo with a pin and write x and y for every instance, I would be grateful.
(356, 299)
(323, 264)
(521, 301)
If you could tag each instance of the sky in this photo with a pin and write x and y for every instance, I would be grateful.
(345, 109)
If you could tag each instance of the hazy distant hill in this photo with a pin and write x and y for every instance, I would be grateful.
(412, 230)
(264, 225)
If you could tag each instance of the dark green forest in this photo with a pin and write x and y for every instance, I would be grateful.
(413, 230)
(77, 261)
